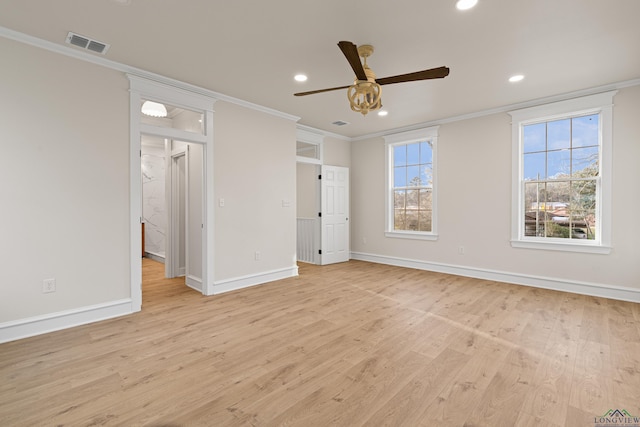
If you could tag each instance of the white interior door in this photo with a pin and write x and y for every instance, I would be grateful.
(334, 217)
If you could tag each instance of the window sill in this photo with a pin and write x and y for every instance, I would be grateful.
(563, 247)
(410, 235)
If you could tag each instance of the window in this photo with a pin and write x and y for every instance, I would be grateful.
(308, 147)
(411, 184)
(561, 175)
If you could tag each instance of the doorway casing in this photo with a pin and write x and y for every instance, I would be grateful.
(142, 88)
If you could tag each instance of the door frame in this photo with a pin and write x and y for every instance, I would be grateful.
(172, 266)
(142, 88)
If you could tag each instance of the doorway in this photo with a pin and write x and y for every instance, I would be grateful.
(323, 231)
(173, 198)
(195, 128)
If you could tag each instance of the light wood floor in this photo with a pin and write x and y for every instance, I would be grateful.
(344, 345)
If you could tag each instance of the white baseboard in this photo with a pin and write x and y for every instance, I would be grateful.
(584, 288)
(23, 328)
(251, 280)
(154, 256)
(194, 282)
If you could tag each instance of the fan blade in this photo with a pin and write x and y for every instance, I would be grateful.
(319, 91)
(434, 73)
(350, 52)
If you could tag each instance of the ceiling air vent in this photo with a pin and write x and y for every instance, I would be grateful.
(339, 123)
(87, 43)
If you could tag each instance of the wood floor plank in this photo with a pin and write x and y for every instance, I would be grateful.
(592, 387)
(504, 397)
(406, 407)
(349, 344)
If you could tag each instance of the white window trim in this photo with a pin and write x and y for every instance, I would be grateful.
(601, 103)
(418, 135)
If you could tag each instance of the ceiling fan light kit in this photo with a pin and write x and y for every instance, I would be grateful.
(366, 92)
(365, 95)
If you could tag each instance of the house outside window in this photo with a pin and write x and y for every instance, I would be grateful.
(561, 168)
(411, 184)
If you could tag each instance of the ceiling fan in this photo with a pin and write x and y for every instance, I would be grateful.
(365, 93)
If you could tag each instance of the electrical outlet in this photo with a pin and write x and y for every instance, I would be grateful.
(48, 285)
(460, 250)
(257, 255)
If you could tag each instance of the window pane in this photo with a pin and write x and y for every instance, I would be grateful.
(399, 199)
(412, 220)
(558, 163)
(584, 226)
(413, 175)
(424, 221)
(400, 155)
(412, 199)
(399, 220)
(400, 177)
(426, 153)
(425, 199)
(559, 134)
(585, 131)
(534, 138)
(531, 196)
(583, 195)
(534, 166)
(305, 149)
(413, 154)
(584, 162)
(175, 117)
(534, 209)
(556, 230)
(426, 174)
(540, 208)
(558, 195)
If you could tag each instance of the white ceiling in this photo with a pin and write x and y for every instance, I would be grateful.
(252, 49)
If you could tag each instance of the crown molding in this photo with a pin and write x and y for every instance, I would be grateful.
(322, 132)
(504, 108)
(117, 66)
(104, 62)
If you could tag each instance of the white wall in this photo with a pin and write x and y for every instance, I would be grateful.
(474, 205)
(64, 183)
(154, 209)
(336, 152)
(307, 190)
(254, 172)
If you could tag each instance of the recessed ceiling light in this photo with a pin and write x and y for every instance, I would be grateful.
(465, 4)
(382, 113)
(300, 78)
(516, 78)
